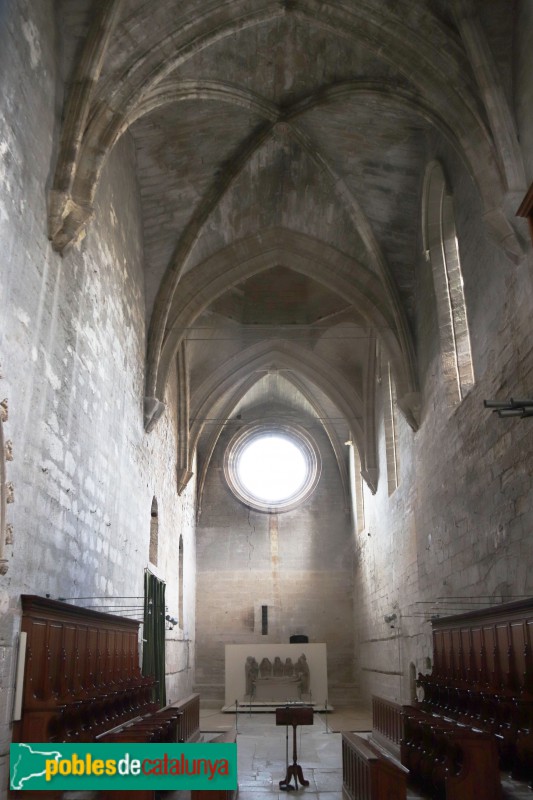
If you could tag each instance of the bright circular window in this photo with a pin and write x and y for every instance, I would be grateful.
(272, 467)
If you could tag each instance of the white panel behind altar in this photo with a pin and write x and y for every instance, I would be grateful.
(235, 676)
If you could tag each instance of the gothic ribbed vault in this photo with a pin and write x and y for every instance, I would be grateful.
(281, 147)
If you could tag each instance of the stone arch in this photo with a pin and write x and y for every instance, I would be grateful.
(250, 361)
(255, 254)
(289, 356)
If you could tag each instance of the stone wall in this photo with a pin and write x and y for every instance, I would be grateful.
(458, 526)
(298, 563)
(72, 348)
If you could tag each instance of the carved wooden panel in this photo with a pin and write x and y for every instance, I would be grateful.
(493, 645)
(82, 669)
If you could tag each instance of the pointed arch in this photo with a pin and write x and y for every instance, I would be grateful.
(236, 396)
(303, 254)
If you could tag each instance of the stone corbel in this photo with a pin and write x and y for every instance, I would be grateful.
(409, 405)
(370, 476)
(68, 221)
(153, 410)
(184, 476)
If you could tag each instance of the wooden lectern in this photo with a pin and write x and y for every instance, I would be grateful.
(294, 715)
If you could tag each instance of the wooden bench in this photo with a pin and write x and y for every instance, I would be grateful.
(177, 723)
(229, 737)
(367, 774)
(387, 725)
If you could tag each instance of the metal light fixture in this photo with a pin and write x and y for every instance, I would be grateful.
(513, 408)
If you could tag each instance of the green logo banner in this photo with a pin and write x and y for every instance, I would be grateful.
(59, 767)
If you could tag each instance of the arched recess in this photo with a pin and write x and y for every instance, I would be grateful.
(183, 467)
(255, 254)
(236, 396)
(439, 75)
(368, 456)
(442, 250)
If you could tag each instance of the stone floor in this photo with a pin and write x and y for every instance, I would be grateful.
(262, 748)
(262, 751)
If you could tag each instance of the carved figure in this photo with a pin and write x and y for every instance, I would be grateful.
(277, 669)
(9, 533)
(303, 672)
(265, 668)
(4, 410)
(10, 492)
(288, 668)
(251, 671)
(9, 450)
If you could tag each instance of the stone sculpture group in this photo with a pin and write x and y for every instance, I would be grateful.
(278, 670)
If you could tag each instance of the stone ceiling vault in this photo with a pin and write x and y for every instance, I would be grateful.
(281, 147)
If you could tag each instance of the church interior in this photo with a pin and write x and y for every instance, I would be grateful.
(231, 223)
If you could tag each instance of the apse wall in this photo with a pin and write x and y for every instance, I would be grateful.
(298, 563)
(72, 348)
(456, 533)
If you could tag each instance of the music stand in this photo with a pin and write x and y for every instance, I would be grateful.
(294, 715)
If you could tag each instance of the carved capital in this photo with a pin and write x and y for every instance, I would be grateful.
(68, 220)
(4, 410)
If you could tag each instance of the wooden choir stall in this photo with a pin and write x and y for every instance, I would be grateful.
(475, 718)
(482, 677)
(82, 682)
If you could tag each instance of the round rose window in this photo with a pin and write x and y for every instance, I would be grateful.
(272, 467)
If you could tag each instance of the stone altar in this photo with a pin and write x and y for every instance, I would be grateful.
(270, 674)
